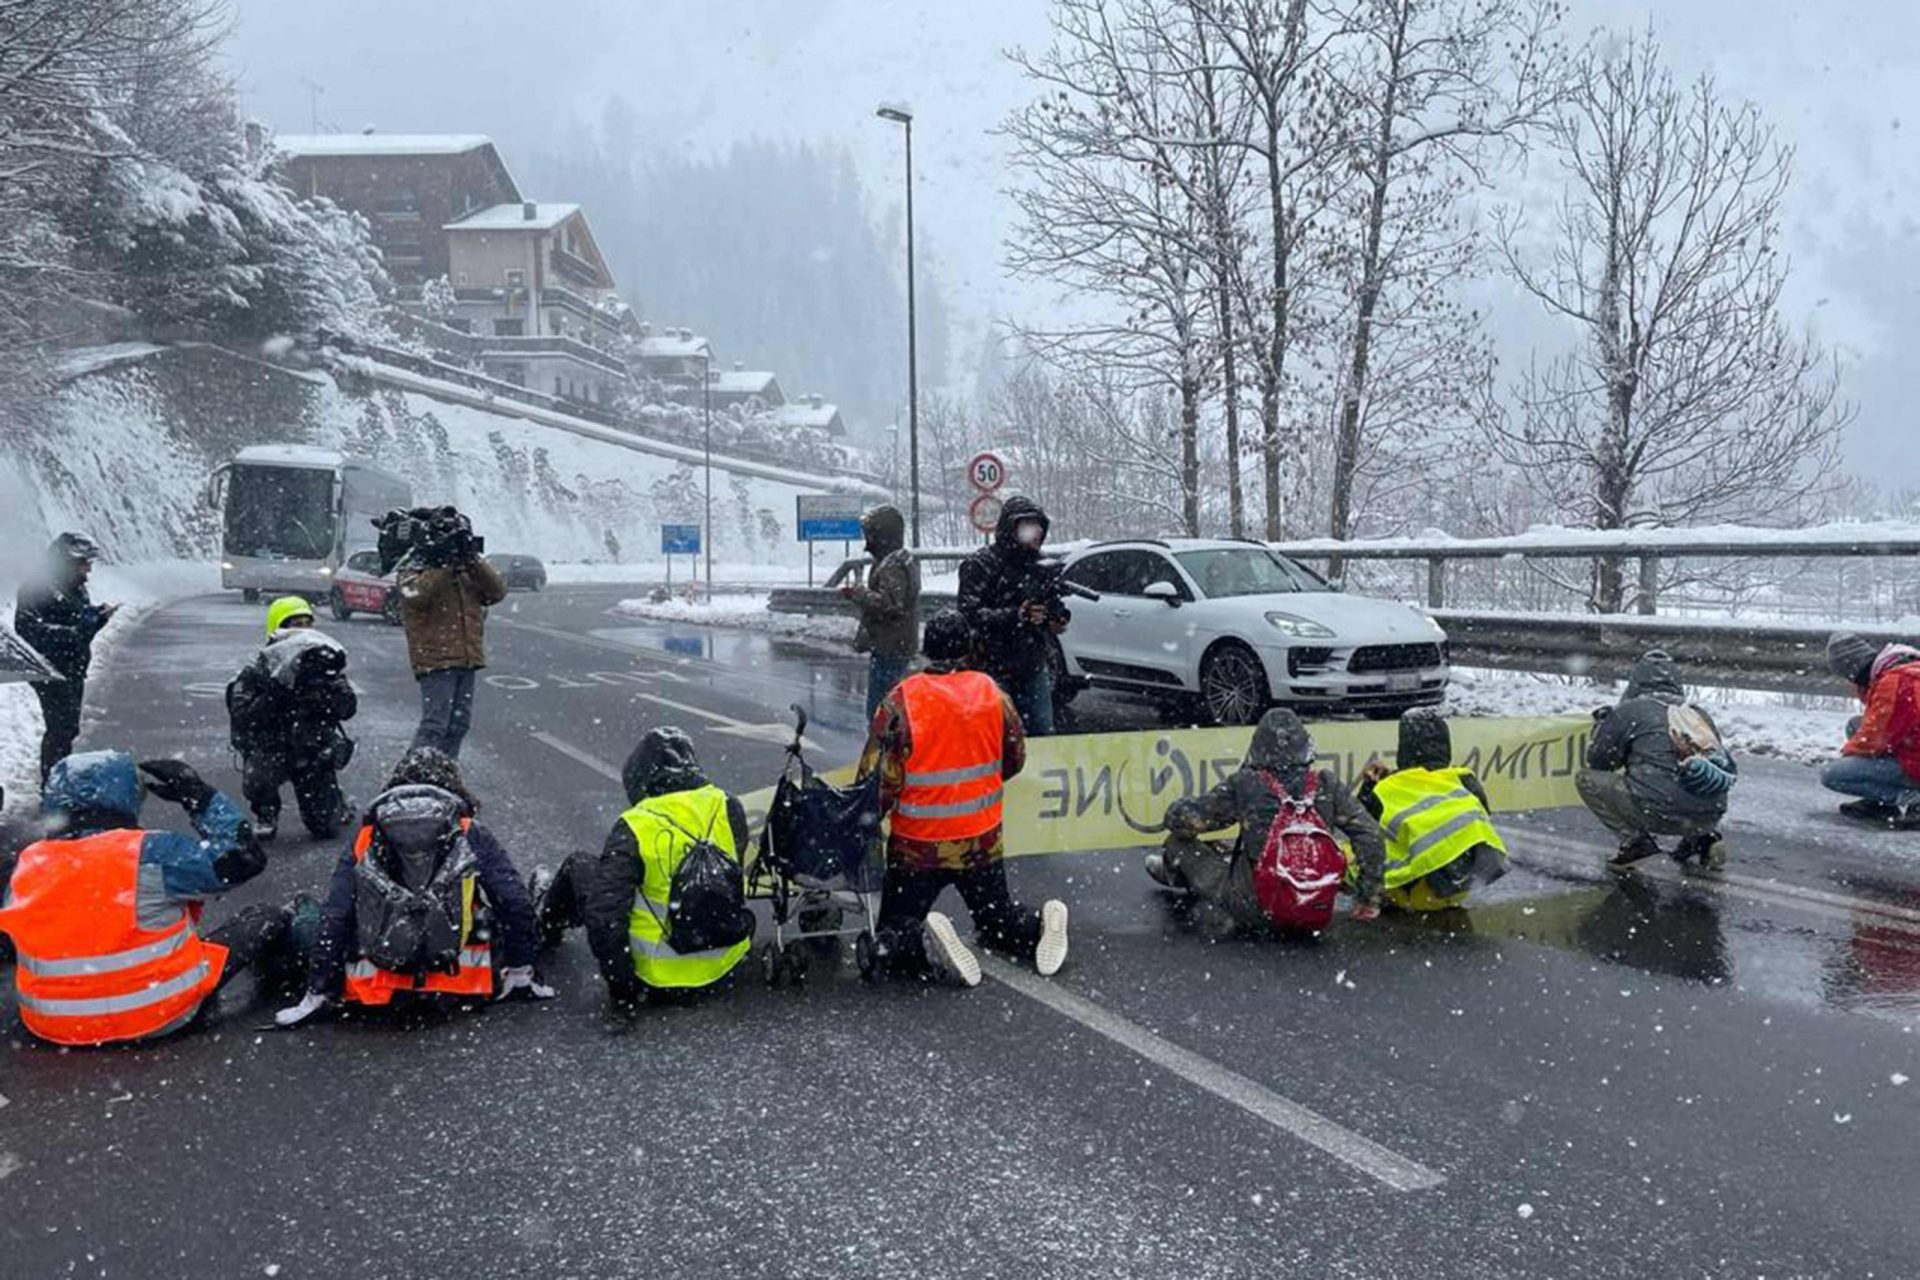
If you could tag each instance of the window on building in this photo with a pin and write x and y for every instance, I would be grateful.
(559, 386)
(509, 328)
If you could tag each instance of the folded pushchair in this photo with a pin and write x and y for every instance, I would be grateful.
(821, 863)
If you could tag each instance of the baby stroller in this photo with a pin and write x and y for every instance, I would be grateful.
(820, 859)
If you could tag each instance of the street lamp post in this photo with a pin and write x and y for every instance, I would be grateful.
(903, 117)
(706, 423)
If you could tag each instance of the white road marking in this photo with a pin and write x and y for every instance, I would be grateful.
(1369, 1157)
(773, 732)
(579, 755)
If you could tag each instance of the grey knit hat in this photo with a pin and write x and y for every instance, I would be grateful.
(1851, 657)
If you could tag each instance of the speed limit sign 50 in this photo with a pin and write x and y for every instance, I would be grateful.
(986, 472)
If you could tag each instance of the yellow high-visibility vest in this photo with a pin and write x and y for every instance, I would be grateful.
(664, 828)
(1429, 818)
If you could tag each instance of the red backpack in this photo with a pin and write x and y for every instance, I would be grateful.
(1299, 872)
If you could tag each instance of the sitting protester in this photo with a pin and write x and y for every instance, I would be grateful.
(1285, 871)
(1440, 839)
(944, 742)
(416, 900)
(1880, 762)
(286, 709)
(106, 915)
(1656, 766)
(663, 902)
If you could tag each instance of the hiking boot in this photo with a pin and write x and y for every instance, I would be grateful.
(1704, 852)
(547, 933)
(266, 829)
(1638, 849)
(949, 957)
(1162, 873)
(1051, 951)
(1907, 821)
(1875, 811)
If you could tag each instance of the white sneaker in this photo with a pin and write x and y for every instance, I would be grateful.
(950, 958)
(1051, 952)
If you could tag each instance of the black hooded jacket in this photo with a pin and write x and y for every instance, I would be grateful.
(663, 763)
(59, 619)
(1281, 749)
(995, 582)
(889, 603)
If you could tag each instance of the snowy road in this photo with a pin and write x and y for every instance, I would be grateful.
(1585, 1079)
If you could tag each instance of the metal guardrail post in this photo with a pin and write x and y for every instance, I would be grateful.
(1436, 582)
(1648, 601)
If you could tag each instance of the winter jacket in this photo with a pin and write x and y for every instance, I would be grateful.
(98, 791)
(1282, 751)
(995, 582)
(292, 699)
(1636, 738)
(445, 611)
(1891, 725)
(604, 886)
(889, 603)
(502, 887)
(60, 621)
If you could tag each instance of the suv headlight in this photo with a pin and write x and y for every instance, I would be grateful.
(1301, 628)
(1433, 624)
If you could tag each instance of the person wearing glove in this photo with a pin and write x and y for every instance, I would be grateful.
(60, 620)
(420, 854)
(1276, 774)
(1656, 766)
(287, 708)
(106, 916)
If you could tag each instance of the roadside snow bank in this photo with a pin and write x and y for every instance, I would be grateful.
(1755, 723)
(137, 588)
(749, 614)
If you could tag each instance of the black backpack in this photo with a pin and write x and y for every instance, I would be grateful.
(410, 894)
(707, 900)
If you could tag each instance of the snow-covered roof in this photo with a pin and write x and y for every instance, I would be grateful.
(380, 144)
(807, 414)
(665, 346)
(290, 455)
(513, 217)
(744, 382)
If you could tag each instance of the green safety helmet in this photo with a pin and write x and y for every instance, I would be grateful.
(285, 610)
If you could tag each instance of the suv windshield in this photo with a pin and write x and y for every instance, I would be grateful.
(1246, 571)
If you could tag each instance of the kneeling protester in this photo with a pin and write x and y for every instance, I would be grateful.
(416, 901)
(1440, 838)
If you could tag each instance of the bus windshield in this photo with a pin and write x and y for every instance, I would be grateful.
(280, 512)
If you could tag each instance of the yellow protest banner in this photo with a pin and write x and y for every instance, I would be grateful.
(1112, 790)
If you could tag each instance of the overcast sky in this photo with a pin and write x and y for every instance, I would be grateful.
(1838, 78)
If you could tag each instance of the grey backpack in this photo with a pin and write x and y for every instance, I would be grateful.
(409, 890)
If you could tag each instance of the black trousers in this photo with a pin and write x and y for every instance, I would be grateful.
(316, 790)
(1000, 923)
(60, 704)
(594, 891)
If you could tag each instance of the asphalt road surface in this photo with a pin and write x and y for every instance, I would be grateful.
(1579, 1077)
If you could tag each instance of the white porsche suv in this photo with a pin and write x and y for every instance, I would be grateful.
(1239, 628)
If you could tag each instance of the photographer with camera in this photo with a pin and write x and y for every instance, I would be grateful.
(1010, 597)
(446, 587)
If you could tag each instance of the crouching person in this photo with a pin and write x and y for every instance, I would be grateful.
(944, 742)
(1656, 766)
(286, 709)
(106, 915)
(419, 901)
(663, 902)
(1435, 818)
(1285, 872)
(1880, 763)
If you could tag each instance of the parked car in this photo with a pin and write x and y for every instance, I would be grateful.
(358, 587)
(1238, 628)
(523, 573)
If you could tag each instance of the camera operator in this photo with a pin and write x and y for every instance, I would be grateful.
(1011, 599)
(446, 586)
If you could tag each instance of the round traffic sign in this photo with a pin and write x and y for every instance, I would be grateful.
(985, 513)
(986, 472)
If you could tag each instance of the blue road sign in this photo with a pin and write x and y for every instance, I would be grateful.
(827, 517)
(679, 539)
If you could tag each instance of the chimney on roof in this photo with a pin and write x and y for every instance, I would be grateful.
(366, 131)
(686, 335)
(646, 328)
(816, 399)
(529, 210)
(739, 366)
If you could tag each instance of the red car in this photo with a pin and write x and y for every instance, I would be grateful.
(359, 588)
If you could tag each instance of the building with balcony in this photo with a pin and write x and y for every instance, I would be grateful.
(814, 413)
(532, 289)
(746, 388)
(676, 358)
(409, 187)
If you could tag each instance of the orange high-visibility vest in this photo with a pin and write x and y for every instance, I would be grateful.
(369, 984)
(89, 971)
(953, 786)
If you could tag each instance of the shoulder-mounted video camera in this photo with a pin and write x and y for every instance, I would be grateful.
(429, 537)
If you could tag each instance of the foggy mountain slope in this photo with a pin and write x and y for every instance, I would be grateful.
(126, 452)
